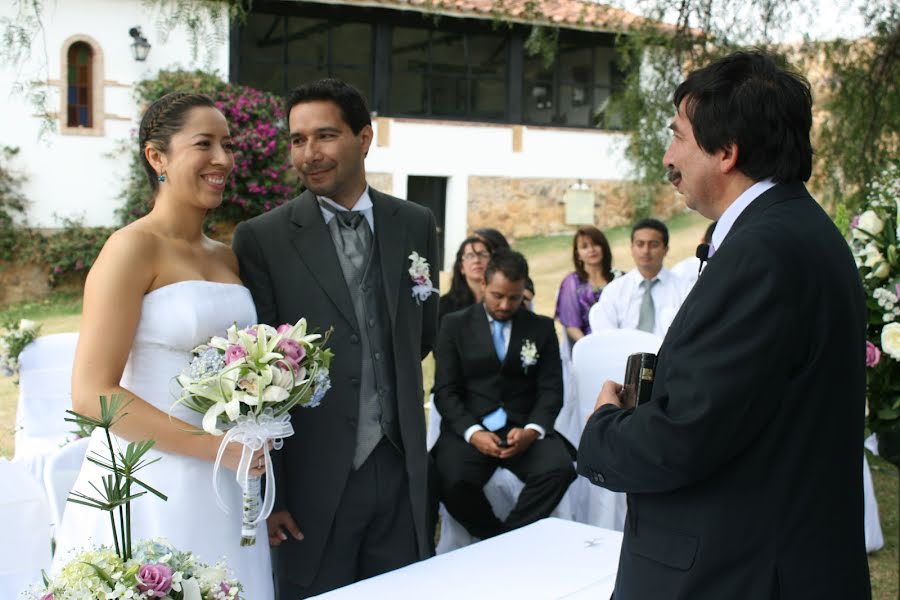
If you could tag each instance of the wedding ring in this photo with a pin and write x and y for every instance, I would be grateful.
(259, 463)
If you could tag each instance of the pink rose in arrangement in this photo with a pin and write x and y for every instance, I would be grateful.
(854, 222)
(291, 349)
(234, 353)
(284, 328)
(251, 332)
(155, 580)
(47, 596)
(873, 354)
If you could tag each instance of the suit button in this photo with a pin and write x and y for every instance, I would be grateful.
(371, 322)
(378, 356)
(354, 339)
(597, 477)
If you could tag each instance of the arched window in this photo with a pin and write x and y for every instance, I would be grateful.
(79, 86)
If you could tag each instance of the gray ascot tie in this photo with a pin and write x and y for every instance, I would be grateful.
(647, 314)
(355, 235)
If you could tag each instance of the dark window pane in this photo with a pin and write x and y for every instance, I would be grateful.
(488, 55)
(264, 76)
(535, 69)
(603, 65)
(448, 54)
(71, 71)
(489, 98)
(361, 79)
(604, 116)
(82, 95)
(575, 64)
(351, 44)
(72, 120)
(574, 105)
(308, 41)
(410, 49)
(448, 96)
(300, 74)
(408, 93)
(539, 108)
(84, 53)
(72, 95)
(83, 117)
(262, 40)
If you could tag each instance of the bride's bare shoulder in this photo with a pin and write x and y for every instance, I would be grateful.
(131, 251)
(224, 254)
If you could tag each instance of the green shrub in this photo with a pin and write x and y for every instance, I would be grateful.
(12, 201)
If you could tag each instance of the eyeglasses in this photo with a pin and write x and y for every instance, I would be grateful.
(470, 256)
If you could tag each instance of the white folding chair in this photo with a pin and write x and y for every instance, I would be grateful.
(45, 375)
(501, 491)
(60, 472)
(871, 520)
(595, 358)
(25, 543)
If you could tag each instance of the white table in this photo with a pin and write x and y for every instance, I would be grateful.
(550, 559)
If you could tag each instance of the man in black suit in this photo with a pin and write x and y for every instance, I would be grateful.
(498, 387)
(353, 477)
(744, 468)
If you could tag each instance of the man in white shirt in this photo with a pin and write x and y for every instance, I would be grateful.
(648, 297)
(689, 268)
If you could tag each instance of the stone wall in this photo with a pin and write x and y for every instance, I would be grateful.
(523, 207)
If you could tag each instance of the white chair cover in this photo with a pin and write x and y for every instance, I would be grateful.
(501, 490)
(567, 422)
(45, 376)
(874, 537)
(60, 472)
(25, 543)
(595, 358)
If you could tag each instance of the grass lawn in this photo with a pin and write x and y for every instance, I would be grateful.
(550, 259)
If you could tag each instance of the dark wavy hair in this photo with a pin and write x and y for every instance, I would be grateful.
(763, 107)
(596, 236)
(509, 262)
(492, 236)
(459, 291)
(348, 99)
(654, 224)
(163, 119)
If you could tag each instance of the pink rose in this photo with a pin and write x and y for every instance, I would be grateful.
(873, 354)
(155, 580)
(284, 328)
(854, 222)
(47, 596)
(251, 332)
(288, 363)
(234, 353)
(291, 349)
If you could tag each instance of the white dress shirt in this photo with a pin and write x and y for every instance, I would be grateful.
(723, 225)
(363, 205)
(688, 269)
(620, 303)
(507, 333)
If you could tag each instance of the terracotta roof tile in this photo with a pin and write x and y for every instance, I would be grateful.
(574, 14)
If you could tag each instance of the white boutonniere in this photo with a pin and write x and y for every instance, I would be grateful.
(420, 273)
(529, 355)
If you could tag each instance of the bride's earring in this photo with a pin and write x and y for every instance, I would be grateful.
(162, 177)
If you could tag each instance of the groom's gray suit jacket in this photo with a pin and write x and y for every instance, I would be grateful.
(288, 260)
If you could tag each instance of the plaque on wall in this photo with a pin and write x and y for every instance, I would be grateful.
(579, 207)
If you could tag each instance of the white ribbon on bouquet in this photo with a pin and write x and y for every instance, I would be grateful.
(254, 432)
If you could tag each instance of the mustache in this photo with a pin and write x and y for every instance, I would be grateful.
(672, 174)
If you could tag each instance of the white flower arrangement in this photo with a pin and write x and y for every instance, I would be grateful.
(157, 570)
(420, 273)
(529, 355)
(17, 336)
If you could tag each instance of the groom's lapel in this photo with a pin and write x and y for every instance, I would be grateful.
(316, 249)
(391, 236)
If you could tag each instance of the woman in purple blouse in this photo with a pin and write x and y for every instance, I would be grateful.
(581, 289)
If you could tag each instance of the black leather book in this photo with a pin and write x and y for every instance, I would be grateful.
(640, 369)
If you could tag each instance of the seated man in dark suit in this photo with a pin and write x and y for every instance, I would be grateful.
(498, 387)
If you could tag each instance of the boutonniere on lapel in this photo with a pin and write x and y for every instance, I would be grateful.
(529, 355)
(420, 273)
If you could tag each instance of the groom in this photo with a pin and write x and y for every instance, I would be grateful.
(352, 478)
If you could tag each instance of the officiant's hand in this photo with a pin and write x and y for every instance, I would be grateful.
(609, 394)
(486, 442)
(280, 524)
(519, 441)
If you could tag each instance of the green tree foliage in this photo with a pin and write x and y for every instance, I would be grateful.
(12, 202)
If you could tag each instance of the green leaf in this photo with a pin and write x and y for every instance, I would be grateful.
(888, 414)
(103, 574)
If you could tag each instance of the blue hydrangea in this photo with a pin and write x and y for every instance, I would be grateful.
(322, 384)
(207, 363)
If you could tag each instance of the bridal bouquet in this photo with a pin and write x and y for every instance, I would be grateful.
(156, 570)
(245, 384)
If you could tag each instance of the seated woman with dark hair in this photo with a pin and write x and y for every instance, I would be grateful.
(581, 289)
(468, 274)
(493, 237)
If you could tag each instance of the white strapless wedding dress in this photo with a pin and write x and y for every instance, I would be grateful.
(174, 319)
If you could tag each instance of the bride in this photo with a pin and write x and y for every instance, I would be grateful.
(158, 288)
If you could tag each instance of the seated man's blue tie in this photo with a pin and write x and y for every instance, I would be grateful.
(497, 419)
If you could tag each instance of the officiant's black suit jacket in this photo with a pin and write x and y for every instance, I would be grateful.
(744, 471)
(470, 382)
(287, 259)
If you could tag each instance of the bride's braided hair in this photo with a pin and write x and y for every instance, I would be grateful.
(163, 119)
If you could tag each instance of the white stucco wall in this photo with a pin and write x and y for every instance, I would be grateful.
(80, 176)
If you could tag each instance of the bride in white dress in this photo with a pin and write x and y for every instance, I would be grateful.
(159, 288)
